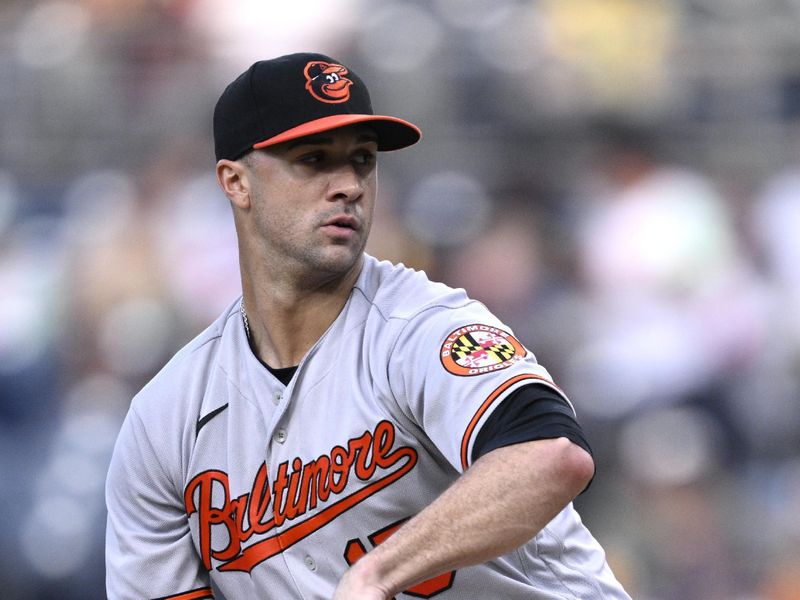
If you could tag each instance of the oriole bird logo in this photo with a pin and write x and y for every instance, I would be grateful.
(327, 82)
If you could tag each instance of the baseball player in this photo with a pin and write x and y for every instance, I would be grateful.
(346, 429)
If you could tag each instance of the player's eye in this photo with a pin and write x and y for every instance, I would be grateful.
(364, 157)
(311, 158)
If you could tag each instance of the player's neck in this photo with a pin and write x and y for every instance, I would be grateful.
(285, 320)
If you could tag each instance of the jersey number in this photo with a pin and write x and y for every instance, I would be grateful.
(355, 549)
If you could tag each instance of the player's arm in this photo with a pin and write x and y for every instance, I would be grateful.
(503, 500)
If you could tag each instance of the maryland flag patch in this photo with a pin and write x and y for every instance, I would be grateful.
(478, 349)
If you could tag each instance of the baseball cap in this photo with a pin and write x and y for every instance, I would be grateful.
(296, 95)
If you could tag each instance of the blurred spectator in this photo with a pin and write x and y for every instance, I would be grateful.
(502, 267)
(671, 305)
(776, 228)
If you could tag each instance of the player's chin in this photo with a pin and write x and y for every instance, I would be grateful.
(340, 258)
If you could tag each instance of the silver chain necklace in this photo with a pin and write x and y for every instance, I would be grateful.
(244, 319)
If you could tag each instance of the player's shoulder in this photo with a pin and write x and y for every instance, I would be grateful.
(180, 385)
(414, 310)
(399, 292)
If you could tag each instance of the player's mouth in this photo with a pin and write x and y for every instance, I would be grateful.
(342, 226)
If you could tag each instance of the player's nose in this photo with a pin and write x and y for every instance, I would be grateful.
(345, 184)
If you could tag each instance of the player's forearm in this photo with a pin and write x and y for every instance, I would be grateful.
(500, 503)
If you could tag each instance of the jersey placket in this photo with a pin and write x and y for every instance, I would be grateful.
(288, 555)
(299, 545)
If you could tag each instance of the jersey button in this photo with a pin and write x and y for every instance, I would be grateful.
(310, 563)
(277, 397)
(280, 436)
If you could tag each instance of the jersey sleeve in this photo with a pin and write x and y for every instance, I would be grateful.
(149, 549)
(452, 367)
(533, 412)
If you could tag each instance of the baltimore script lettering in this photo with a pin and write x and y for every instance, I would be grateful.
(290, 496)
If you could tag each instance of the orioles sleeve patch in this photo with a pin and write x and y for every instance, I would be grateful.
(478, 349)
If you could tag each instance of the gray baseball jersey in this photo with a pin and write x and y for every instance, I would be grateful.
(221, 472)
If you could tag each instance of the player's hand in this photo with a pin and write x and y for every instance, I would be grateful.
(355, 585)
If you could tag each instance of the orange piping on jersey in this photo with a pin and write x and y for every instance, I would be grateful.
(484, 407)
(193, 595)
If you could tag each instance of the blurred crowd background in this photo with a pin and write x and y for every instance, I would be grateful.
(619, 180)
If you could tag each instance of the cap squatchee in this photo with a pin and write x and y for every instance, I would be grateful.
(296, 95)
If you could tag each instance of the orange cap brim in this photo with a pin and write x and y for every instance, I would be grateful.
(393, 133)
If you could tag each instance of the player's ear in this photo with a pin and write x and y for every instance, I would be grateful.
(233, 179)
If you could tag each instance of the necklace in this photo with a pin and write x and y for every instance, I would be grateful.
(244, 319)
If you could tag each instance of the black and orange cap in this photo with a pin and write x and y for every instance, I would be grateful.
(292, 96)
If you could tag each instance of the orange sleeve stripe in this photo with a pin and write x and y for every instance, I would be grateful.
(485, 406)
(198, 594)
